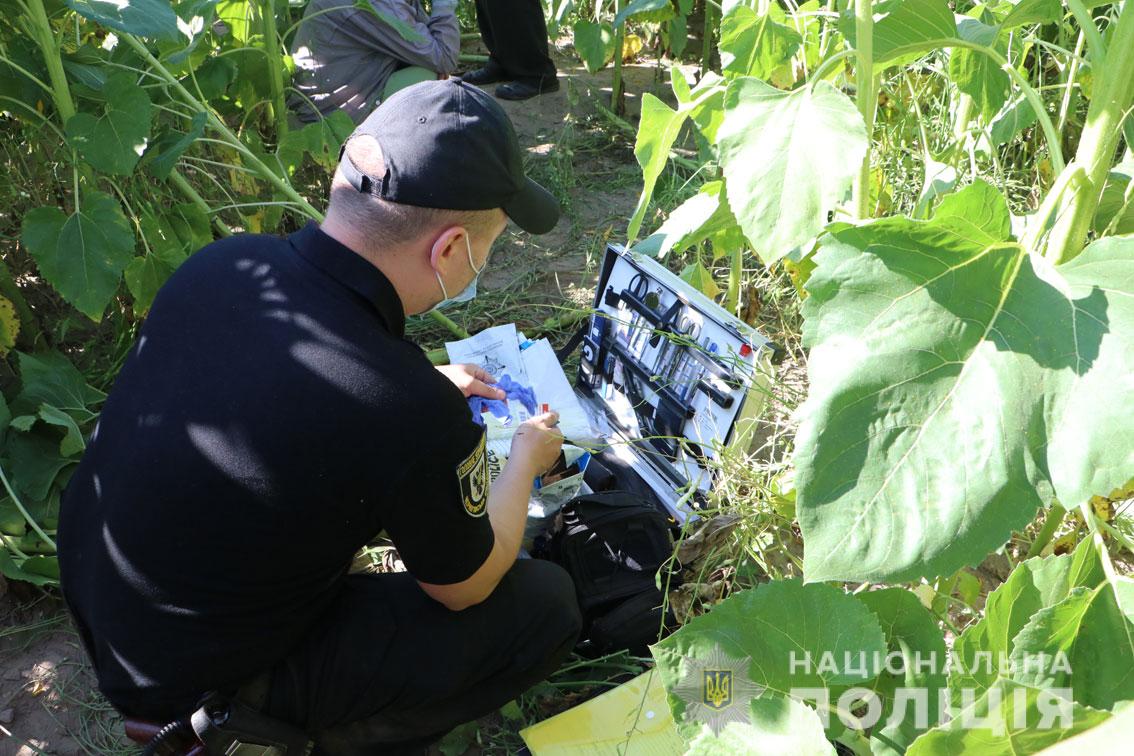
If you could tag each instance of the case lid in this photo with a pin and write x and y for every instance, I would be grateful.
(675, 377)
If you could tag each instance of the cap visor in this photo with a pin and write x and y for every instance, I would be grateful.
(534, 209)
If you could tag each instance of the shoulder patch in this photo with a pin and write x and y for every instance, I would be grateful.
(472, 475)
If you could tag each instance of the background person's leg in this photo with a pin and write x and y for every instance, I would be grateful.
(405, 77)
(515, 33)
(484, 24)
(391, 667)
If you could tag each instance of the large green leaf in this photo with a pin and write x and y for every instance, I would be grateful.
(1010, 121)
(114, 139)
(957, 383)
(21, 94)
(1116, 205)
(905, 29)
(81, 255)
(1112, 736)
(676, 36)
(645, 10)
(706, 108)
(326, 137)
(700, 278)
(321, 140)
(212, 78)
(50, 378)
(788, 159)
(1084, 643)
(1033, 12)
(171, 235)
(940, 180)
(986, 645)
(784, 636)
(34, 462)
(657, 131)
(237, 15)
(72, 443)
(975, 73)
(660, 126)
(190, 225)
(164, 152)
(703, 215)
(775, 727)
(1008, 719)
(594, 43)
(912, 632)
(12, 521)
(145, 18)
(808, 21)
(197, 18)
(37, 570)
(144, 276)
(754, 45)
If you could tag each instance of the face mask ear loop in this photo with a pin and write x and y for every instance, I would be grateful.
(444, 293)
(472, 265)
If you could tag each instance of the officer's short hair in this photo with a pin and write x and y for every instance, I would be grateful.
(390, 223)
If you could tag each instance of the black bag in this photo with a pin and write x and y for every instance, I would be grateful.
(612, 544)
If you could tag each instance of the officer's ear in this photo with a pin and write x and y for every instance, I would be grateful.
(449, 246)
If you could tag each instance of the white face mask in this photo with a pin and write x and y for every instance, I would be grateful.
(468, 292)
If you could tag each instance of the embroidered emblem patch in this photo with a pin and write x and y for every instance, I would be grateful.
(472, 474)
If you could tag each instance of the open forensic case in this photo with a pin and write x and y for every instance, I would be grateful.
(669, 377)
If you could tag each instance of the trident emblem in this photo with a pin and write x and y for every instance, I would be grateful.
(718, 688)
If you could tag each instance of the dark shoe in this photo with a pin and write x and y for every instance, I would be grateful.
(527, 88)
(489, 73)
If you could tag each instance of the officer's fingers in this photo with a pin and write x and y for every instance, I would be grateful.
(546, 420)
(479, 388)
(482, 375)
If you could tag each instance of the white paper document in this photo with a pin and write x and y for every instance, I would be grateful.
(498, 351)
(495, 349)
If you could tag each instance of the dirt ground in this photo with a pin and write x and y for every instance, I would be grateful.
(48, 701)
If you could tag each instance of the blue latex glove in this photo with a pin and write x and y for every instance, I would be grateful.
(513, 390)
(521, 393)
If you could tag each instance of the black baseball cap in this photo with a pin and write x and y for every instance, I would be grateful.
(448, 145)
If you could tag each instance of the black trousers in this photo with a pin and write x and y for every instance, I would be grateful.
(391, 670)
(515, 33)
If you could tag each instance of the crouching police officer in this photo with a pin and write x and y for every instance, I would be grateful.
(272, 419)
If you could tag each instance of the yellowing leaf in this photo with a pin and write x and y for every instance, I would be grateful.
(631, 47)
(9, 326)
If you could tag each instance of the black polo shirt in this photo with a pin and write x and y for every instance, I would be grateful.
(270, 420)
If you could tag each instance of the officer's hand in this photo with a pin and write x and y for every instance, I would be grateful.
(472, 380)
(537, 443)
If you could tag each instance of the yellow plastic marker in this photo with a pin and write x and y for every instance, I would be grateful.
(630, 720)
